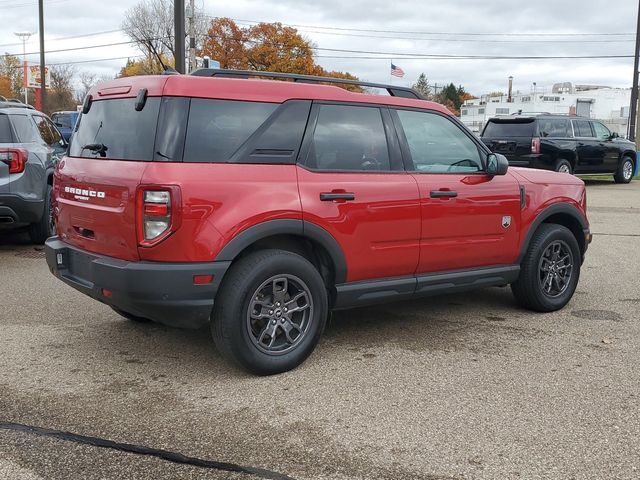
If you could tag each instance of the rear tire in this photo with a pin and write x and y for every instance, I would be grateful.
(254, 323)
(45, 228)
(625, 170)
(550, 270)
(563, 166)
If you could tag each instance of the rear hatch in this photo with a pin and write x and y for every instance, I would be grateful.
(510, 136)
(96, 184)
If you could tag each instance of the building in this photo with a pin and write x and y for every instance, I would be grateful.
(609, 105)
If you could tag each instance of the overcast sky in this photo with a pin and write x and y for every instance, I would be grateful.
(450, 21)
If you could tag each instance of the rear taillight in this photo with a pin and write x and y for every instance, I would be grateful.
(535, 145)
(157, 213)
(16, 158)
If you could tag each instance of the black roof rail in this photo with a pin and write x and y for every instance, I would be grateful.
(392, 90)
(13, 103)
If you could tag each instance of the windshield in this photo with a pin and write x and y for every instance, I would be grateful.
(113, 129)
(513, 128)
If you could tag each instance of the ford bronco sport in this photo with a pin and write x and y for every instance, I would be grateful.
(257, 206)
(567, 144)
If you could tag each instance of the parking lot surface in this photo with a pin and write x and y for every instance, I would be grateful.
(464, 386)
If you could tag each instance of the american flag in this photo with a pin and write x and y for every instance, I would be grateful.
(396, 71)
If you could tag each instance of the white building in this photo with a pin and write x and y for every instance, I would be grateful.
(609, 105)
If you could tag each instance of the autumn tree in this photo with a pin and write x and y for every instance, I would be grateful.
(264, 47)
(144, 66)
(5, 87)
(11, 68)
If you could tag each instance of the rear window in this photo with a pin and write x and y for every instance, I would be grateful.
(217, 128)
(126, 133)
(5, 130)
(62, 120)
(509, 128)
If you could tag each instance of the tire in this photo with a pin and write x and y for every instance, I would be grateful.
(563, 166)
(131, 316)
(529, 289)
(43, 229)
(252, 302)
(625, 170)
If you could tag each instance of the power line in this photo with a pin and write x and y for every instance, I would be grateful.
(94, 34)
(505, 34)
(86, 47)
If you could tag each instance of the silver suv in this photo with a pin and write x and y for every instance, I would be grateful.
(30, 147)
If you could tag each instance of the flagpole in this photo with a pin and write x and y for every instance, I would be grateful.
(390, 76)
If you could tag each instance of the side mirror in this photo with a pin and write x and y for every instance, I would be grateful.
(497, 164)
(614, 135)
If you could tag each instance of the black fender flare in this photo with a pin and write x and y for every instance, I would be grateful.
(299, 228)
(554, 209)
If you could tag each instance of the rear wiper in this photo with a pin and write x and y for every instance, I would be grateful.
(99, 148)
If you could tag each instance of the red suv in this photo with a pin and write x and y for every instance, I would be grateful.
(260, 205)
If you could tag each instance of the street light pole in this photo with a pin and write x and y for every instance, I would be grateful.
(24, 37)
(634, 90)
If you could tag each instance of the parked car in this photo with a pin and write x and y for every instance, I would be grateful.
(257, 206)
(567, 144)
(30, 146)
(65, 121)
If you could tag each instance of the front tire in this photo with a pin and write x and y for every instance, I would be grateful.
(550, 270)
(269, 312)
(625, 171)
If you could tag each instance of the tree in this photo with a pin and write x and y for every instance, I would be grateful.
(144, 66)
(61, 95)
(5, 87)
(422, 86)
(264, 47)
(150, 25)
(11, 68)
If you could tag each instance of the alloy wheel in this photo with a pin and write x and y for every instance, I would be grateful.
(555, 269)
(627, 170)
(279, 314)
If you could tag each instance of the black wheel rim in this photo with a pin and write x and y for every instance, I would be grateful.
(279, 314)
(555, 269)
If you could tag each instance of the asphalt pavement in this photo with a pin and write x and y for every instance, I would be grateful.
(465, 386)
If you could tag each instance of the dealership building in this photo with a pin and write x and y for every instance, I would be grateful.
(609, 105)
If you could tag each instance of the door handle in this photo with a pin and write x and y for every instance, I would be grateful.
(331, 196)
(443, 194)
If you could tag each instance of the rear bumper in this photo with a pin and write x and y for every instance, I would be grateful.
(16, 210)
(163, 292)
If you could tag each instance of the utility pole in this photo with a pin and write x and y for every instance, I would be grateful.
(634, 90)
(43, 80)
(192, 35)
(178, 27)
(24, 37)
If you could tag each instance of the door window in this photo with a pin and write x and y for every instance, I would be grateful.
(601, 131)
(582, 128)
(437, 145)
(349, 138)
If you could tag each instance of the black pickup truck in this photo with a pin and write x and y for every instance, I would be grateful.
(562, 143)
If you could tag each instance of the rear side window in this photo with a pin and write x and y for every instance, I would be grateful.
(217, 128)
(554, 127)
(5, 130)
(125, 133)
(25, 129)
(349, 138)
(514, 128)
(48, 132)
(582, 128)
